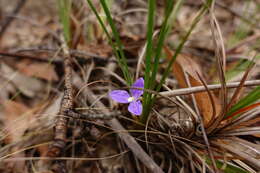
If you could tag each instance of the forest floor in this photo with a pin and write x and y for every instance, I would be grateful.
(56, 114)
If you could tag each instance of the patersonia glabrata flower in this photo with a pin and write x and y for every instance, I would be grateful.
(122, 96)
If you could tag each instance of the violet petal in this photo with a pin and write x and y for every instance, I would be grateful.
(139, 83)
(120, 96)
(135, 107)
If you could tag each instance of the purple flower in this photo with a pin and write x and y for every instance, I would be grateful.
(122, 96)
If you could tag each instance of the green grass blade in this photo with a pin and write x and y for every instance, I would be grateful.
(174, 13)
(149, 53)
(148, 100)
(64, 7)
(161, 39)
(152, 79)
(121, 58)
(117, 46)
(180, 46)
(91, 5)
(149, 47)
(228, 167)
(250, 98)
(170, 16)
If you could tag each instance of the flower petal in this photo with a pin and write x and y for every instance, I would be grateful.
(139, 83)
(135, 107)
(120, 96)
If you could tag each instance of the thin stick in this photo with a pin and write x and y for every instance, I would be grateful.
(81, 56)
(24, 56)
(91, 116)
(66, 104)
(184, 91)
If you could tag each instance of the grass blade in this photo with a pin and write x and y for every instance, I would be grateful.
(151, 76)
(148, 99)
(252, 97)
(179, 48)
(64, 7)
(148, 59)
(117, 46)
(228, 167)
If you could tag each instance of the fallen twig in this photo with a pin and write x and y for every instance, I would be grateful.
(76, 115)
(81, 56)
(184, 91)
(66, 104)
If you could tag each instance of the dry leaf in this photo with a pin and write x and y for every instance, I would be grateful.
(27, 85)
(241, 145)
(102, 50)
(40, 70)
(185, 64)
(16, 120)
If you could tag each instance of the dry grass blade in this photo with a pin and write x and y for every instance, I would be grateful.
(201, 121)
(221, 62)
(237, 150)
(188, 73)
(248, 116)
(188, 148)
(65, 158)
(242, 131)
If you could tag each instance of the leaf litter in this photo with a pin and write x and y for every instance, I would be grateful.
(32, 93)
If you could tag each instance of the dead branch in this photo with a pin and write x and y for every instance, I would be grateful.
(77, 115)
(60, 129)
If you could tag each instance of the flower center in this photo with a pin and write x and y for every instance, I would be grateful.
(130, 99)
